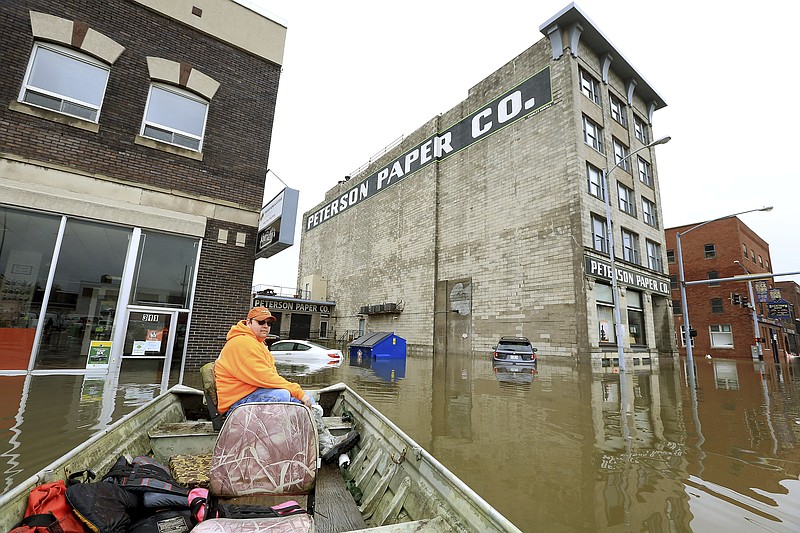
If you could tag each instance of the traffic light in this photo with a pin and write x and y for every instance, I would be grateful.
(735, 298)
(745, 301)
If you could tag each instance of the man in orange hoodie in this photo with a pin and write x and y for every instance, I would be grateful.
(245, 372)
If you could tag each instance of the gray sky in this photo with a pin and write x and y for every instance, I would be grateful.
(359, 74)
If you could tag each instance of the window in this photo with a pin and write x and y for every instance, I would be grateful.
(673, 282)
(590, 87)
(760, 262)
(766, 265)
(175, 116)
(636, 318)
(645, 172)
(670, 256)
(65, 81)
(323, 329)
(753, 256)
(649, 213)
(618, 110)
(721, 336)
(630, 246)
(599, 234)
(627, 203)
(683, 337)
(710, 251)
(653, 255)
(605, 313)
(716, 305)
(677, 309)
(640, 130)
(592, 134)
(621, 155)
(595, 178)
(713, 275)
(744, 250)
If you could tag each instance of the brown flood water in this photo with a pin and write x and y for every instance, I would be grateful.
(549, 449)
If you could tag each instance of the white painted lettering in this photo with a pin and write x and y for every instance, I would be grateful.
(410, 158)
(425, 153)
(477, 128)
(383, 175)
(509, 107)
(442, 144)
(363, 191)
(397, 170)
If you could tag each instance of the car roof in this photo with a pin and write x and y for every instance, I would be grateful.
(524, 339)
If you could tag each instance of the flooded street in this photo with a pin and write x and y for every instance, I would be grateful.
(565, 447)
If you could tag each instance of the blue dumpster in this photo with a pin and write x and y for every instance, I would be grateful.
(380, 344)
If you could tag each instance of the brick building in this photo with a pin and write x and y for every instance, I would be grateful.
(790, 291)
(489, 219)
(721, 313)
(134, 138)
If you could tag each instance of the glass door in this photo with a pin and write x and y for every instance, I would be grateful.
(149, 341)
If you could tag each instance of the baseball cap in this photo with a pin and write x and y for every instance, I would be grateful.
(261, 313)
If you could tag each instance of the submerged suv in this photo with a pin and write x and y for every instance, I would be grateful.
(514, 350)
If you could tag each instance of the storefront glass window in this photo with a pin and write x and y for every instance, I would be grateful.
(635, 318)
(27, 241)
(165, 270)
(83, 301)
(605, 313)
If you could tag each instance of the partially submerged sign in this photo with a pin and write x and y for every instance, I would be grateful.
(277, 223)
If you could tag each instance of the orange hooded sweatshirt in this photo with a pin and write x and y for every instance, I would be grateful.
(244, 365)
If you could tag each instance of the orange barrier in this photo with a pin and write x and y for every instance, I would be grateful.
(15, 348)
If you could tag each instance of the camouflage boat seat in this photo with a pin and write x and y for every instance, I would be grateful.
(267, 450)
(209, 381)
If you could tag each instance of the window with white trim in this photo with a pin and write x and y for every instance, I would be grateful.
(590, 87)
(592, 134)
(683, 337)
(65, 81)
(626, 199)
(175, 116)
(636, 329)
(653, 255)
(645, 172)
(649, 213)
(640, 129)
(621, 155)
(710, 251)
(599, 234)
(323, 329)
(630, 246)
(618, 110)
(594, 177)
(604, 296)
(721, 335)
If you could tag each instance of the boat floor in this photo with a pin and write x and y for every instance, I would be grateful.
(334, 507)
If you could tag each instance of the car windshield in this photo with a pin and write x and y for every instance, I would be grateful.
(313, 345)
(517, 346)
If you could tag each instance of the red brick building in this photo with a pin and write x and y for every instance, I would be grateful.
(134, 139)
(721, 313)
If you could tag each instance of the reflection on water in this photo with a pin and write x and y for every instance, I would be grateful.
(561, 447)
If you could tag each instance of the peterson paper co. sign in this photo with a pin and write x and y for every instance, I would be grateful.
(636, 280)
(276, 223)
(526, 98)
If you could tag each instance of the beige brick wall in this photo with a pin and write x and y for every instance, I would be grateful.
(511, 213)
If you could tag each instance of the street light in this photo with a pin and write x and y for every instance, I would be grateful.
(618, 328)
(687, 339)
(756, 333)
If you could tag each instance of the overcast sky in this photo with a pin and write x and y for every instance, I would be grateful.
(359, 74)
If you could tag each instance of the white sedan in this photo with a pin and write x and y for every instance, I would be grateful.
(295, 351)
